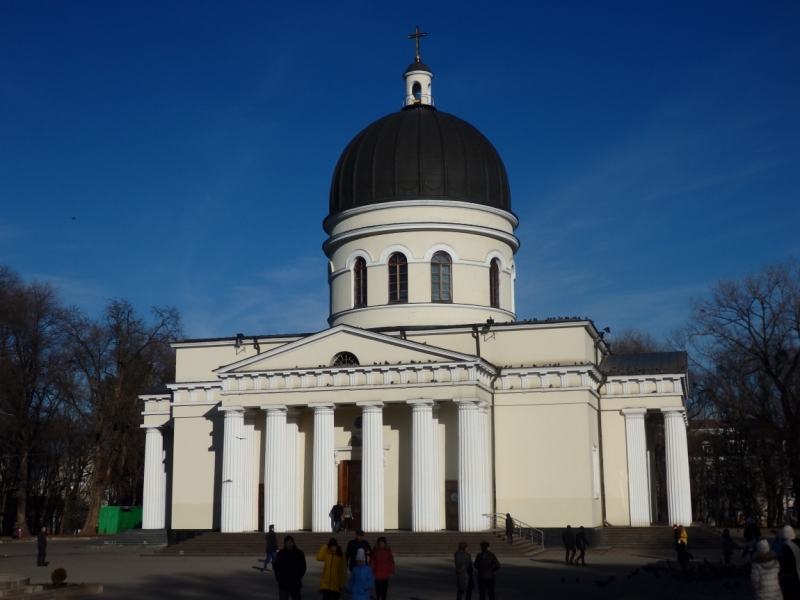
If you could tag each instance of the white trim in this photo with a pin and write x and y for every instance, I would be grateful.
(248, 341)
(332, 220)
(351, 260)
(196, 403)
(441, 248)
(387, 252)
(498, 255)
(423, 304)
(335, 241)
(348, 330)
(155, 412)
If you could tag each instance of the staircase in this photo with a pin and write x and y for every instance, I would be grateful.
(402, 543)
(15, 586)
(656, 537)
(154, 538)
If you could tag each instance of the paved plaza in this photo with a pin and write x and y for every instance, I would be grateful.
(127, 574)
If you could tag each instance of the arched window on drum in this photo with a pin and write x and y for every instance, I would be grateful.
(441, 277)
(494, 283)
(398, 278)
(359, 283)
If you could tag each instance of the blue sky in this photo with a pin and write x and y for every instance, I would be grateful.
(652, 148)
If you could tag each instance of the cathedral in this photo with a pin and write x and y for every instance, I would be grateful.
(425, 405)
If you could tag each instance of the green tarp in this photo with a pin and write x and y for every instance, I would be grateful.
(116, 519)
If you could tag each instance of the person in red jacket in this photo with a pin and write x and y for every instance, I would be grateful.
(381, 561)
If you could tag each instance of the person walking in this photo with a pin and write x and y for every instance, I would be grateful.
(336, 517)
(290, 567)
(41, 546)
(683, 536)
(463, 563)
(353, 546)
(334, 573)
(764, 573)
(348, 517)
(752, 534)
(361, 579)
(568, 537)
(582, 544)
(509, 527)
(272, 548)
(486, 565)
(381, 561)
(727, 545)
(790, 564)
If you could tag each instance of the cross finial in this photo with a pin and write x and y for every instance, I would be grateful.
(416, 35)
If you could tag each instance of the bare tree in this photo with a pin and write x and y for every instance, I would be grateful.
(31, 354)
(635, 341)
(115, 357)
(745, 339)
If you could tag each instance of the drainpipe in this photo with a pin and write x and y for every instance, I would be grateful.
(477, 337)
(602, 473)
(494, 447)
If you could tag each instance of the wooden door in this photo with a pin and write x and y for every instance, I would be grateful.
(451, 504)
(350, 489)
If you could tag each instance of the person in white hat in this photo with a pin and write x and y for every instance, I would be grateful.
(361, 579)
(764, 573)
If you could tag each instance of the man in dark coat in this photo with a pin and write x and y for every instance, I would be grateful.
(582, 545)
(790, 564)
(336, 516)
(41, 545)
(352, 549)
(486, 565)
(290, 566)
(463, 563)
(568, 537)
(509, 527)
(272, 548)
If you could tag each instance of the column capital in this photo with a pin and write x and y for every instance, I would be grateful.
(230, 409)
(149, 426)
(273, 407)
(374, 406)
(321, 405)
(420, 402)
(674, 409)
(468, 403)
(634, 413)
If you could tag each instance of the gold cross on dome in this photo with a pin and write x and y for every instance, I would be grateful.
(416, 35)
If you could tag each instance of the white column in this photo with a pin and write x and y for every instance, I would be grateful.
(483, 411)
(155, 492)
(638, 476)
(275, 468)
(424, 467)
(679, 499)
(372, 467)
(324, 484)
(232, 471)
(472, 476)
(292, 431)
(248, 487)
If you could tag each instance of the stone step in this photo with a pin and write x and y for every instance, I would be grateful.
(10, 580)
(138, 537)
(654, 537)
(402, 543)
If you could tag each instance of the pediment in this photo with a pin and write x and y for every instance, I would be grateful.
(318, 351)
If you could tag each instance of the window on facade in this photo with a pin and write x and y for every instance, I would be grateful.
(494, 283)
(345, 359)
(398, 278)
(360, 282)
(441, 278)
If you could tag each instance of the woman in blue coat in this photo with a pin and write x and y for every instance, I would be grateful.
(361, 579)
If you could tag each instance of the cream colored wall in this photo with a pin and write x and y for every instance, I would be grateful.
(470, 277)
(405, 211)
(544, 458)
(197, 459)
(196, 362)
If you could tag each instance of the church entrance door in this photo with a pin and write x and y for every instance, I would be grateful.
(350, 489)
(451, 504)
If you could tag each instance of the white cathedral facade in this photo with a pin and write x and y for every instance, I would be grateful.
(425, 405)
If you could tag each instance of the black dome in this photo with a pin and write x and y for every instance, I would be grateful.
(419, 152)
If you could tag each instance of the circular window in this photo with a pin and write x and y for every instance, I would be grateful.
(345, 359)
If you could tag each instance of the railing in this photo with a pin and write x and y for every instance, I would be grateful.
(422, 99)
(523, 530)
